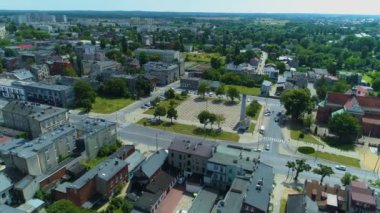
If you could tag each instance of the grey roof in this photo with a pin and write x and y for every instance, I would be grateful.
(300, 203)
(260, 198)
(8, 209)
(154, 162)
(267, 83)
(92, 125)
(36, 111)
(31, 205)
(230, 160)
(29, 149)
(204, 202)
(54, 87)
(22, 74)
(234, 198)
(5, 183)
(105, 171)
(134, 160)
(23, 183)
(192, 146)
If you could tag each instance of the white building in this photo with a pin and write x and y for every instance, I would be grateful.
(5, 188)
(3, 32)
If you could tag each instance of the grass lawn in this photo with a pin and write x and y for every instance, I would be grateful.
(92, 163)
(283, 206)
(252, 127)
(340, 159)
(308, 138)
(254, 91)
(257, 113)
(108, 105)
(202, 57)
(333, 142)
(190, 130)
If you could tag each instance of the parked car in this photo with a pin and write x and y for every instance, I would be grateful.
(340, 167)
(276, 119)
(267, 147)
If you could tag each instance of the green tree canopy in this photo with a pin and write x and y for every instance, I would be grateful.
(203, 88)
(159, 111)
(172, 114)
(116, 88)
(65, 206)
(170, 94)
(233, 93)
(297, 102)
(345, 127)
(323, 171)
(348, 178)
(83, 91)
(299, 166)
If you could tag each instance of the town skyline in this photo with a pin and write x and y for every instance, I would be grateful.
(350, 7)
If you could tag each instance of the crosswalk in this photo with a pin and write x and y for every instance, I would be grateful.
(270, 139)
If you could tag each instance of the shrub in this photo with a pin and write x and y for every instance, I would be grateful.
(306, 150)
(301, 135)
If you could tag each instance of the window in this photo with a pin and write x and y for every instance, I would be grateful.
(188, 156)
(172, 155)
(180, 157)
(188, 163)
(3, 195)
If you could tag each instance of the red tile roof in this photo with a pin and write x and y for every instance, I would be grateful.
(341, 99)
(363, 198)
(25, 46)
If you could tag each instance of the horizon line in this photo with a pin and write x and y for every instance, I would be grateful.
(199, 12)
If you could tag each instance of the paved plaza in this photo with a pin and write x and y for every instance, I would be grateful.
(190, 109)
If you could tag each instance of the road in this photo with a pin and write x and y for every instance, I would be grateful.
(143, 135)
(261, 65)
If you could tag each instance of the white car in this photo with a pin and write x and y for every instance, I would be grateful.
(267, 147)
(340, 167)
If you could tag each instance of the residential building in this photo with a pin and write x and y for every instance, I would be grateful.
(94, 133)
(100, 181)
(328, 198)
(35, 119)
(40, 72)
(135, 160)
(51, 94)
(95, 68)
(10, 89)
(204, 201)
(365, 109)
(353, 78)
(243, 68)
(271, 72)
(297, 79)
(249, 194)
(168, 56)
(41, 154)
(190, 155)
(150, 167)
(32, 206)
(227, 163)
(300, 203)
(3, 32)
(361, 198)
(9, 209)
(25, 189)
(265, 88)
(5, 190)
(57, 67)
(155, 192)
(192, 83)
(22, 75)
(165, 73)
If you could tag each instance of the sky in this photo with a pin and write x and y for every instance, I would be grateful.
(230, 6)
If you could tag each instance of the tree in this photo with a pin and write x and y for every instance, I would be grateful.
(143, 58)
(233, 93)
(211, 119)
(172, 113)
(220, 119)
(253, 108)
(308, 120)
(347, 178)
(87, 105)
(116, 88)
(220, 91)
(291, 166)
(103, 43)
(66, 206)
(143, 87)
(124, 45)
(300, 166)
(281, 66)
(170, 94)
(119, 204)
(203, 88)
(323, 171)
(345, 127)
(341, 86)
(297, 102)
(215, 62)
(159, 111)
(376, 85)
(69, 71)
(83, 94)
(203, 118)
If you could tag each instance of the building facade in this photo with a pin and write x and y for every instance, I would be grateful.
(165, 73)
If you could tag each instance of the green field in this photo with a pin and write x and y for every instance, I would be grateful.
(166, 104)
(108, 105)
(202, 57)
(308, 138)
(254, 91)
(252, 128)
(191, 130)
(340, 159)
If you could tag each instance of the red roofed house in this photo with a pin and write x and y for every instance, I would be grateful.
(361, 198)
(365, 109)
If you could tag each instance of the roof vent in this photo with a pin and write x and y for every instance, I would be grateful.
(235, 161)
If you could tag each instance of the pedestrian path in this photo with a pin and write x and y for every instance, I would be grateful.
(270, 139)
